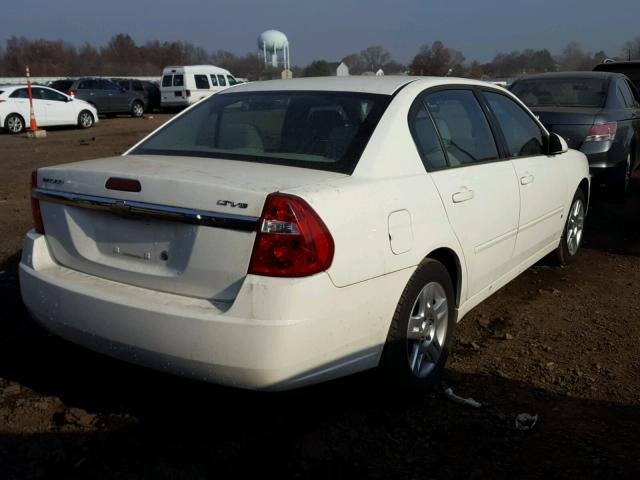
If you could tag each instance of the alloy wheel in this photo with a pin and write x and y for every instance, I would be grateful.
(575, 226)
(427, 329)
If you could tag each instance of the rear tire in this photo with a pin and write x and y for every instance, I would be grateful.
(137, 109)
(422, 330)
(14, 123)
(573, 232)
(85, 119)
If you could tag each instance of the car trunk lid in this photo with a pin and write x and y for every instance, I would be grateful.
(189, 230)
(572, 123)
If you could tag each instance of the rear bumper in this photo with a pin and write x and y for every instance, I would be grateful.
(278, 333)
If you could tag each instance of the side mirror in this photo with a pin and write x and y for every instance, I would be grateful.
(557, 144)
(123, 90)
(69, 99)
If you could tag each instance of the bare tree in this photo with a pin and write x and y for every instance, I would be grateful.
(375, 57)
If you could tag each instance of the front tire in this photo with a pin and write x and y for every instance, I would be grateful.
(573, 230)
(14, 123)
(85, 119)
(137, 109)
(422, 329)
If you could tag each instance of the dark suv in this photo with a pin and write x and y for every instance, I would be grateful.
(149, 90)
(107, 96)
(631, 69)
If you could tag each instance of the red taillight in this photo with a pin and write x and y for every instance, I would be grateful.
(35, 205)
(601, 132)
(123, 184)
(187, 93)
(72, 93)
(292, 240)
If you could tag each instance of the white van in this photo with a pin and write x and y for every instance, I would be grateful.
(184, 85)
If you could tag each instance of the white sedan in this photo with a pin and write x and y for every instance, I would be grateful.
(50, 107)
(283, 233)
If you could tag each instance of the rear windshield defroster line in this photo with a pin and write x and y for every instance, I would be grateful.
(309, 129)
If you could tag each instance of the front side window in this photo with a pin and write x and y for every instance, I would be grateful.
(201, 82)
(107, 85)
(463, 127)
(52, 96)
(137, 86)
(426, 138)
(231, 80)
(221, 81)
(88, 85)
(167, 80)
(321, 130)
(521, 133)
(178, 80)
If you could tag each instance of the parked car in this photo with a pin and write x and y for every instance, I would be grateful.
(631, 69)
(185, 85)
(50, 107)
(108, 97)
(597, 113)
(149, 90)
(283, 233)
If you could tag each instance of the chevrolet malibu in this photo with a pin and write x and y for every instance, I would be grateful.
(283, 233)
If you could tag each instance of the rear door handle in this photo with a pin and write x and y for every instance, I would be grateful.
(462, 196)
(527, 179)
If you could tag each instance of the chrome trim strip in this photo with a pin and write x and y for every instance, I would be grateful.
(133, 208)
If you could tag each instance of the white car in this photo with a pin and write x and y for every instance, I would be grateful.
(50, 107)
(283, 233)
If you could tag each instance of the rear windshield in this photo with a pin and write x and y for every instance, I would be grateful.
(178, 80)
(565, 92)
(62, 85)
(166, 80)
(321, 130)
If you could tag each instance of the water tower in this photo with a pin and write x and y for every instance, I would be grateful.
(274, 47)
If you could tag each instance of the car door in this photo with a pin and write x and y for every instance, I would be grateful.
(59, 111)
(20, 100)
(541, 178)
(478, 188)
(90, 90)
(118, 100)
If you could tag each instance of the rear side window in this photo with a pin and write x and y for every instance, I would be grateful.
(88, 85)
(62, 85)
(201, 82)
(626, 95)
(321, 130)
(462, 126)
(523, 135)
(426, 138)
(167, 80)
(137, 86)
(214, 80)
(20, 93)
(221, 81)
(178, 80)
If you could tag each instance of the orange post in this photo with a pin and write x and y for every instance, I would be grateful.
(32, 116)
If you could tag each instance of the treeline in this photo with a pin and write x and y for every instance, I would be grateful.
(122, 56)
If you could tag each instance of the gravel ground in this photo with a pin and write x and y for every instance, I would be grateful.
(560, 343)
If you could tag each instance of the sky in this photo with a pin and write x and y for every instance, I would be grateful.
(331, 29)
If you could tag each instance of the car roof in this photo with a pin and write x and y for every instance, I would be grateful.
(383, 85)
(576, 75)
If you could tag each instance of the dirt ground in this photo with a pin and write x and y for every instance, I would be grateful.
(562, 343)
